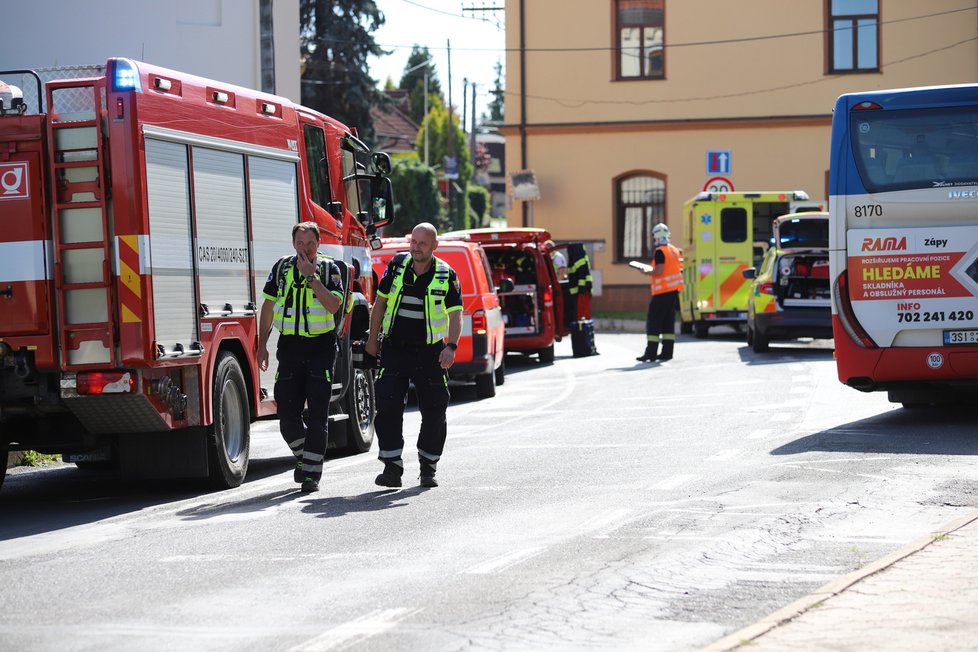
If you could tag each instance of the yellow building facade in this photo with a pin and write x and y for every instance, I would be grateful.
(624, 109)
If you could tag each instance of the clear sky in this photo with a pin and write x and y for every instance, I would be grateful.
(477, 41)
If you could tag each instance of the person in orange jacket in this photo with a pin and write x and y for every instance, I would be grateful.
(667, 283)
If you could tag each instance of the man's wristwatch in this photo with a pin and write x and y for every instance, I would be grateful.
(310, 278)
(452, 345)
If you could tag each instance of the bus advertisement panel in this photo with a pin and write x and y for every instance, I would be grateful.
(904, 242)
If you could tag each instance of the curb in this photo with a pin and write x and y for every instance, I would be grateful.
(746, 636)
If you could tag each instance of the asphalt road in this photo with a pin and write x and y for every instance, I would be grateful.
(593, 504)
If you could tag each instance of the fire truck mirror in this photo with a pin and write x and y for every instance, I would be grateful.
(382, 163)
(381, 201)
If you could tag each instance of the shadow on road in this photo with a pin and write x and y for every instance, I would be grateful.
(925, 431)
(371, 501)
(784, 352)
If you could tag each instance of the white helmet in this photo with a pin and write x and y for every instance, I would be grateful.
(660, 232)
(11, 99)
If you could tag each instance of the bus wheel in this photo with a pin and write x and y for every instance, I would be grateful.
(546, 355)
(3, 462)
(701, 329)
(229, 440)
(360, 407)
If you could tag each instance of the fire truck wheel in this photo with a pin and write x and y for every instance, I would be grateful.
(501, 373)
(361, 406)
(485, 385)
(546, 355)
(230, 435)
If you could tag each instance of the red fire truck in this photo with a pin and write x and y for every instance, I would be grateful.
(143, 209)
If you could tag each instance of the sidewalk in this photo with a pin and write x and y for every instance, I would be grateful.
(922, 597)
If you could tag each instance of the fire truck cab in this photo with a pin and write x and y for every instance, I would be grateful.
(144, 209)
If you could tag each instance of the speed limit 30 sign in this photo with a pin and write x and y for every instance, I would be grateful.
(718, 184)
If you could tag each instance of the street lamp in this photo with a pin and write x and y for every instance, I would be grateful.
(424, 64)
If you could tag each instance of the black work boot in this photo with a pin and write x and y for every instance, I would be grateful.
(649, 354)
(428, 475)
(391, 477)
(666, 354)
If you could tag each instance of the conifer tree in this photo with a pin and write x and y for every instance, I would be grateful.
(336, 37)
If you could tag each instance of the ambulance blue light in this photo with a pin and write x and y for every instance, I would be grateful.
(125, 76)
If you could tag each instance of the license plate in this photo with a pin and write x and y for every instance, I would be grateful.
(961, 337)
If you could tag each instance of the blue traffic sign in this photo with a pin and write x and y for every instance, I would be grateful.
(718, 161)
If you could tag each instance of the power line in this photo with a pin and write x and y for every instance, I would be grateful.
(746, 39)
(576, 104)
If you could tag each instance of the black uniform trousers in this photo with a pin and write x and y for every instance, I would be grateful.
(400, 366)
(661, 318)
(305, 376)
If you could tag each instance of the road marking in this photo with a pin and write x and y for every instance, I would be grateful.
(500, 564)
(834, 460)
(726, 454)
(763, 433)
(674, 481)
(356, 630)
(605, 523)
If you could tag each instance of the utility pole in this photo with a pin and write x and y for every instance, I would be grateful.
(450, 132)
(472, 130)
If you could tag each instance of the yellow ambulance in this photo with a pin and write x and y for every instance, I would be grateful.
(723, 234)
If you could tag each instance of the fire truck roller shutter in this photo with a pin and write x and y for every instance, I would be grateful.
(273, 190)
(171, 261)
(222, 230)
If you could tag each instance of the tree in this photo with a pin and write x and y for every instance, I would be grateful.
(335, 40)
(497, 104)
(478, 198)
(413, 82)
(441, 132)
(416, 197)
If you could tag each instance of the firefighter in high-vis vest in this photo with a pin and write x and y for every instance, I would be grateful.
(302, 294)
(667, 283)
(415, 323)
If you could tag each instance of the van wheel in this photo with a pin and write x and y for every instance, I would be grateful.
(546, 355)
(701, 329)
(759, 343)
(229, 437)
(360, 406)
(485, 385)
(501, 373)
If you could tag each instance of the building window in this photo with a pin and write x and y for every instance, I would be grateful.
(641, 36)
(854, 35)
(641, 202)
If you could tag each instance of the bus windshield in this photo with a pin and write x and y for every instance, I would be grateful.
(918, 148)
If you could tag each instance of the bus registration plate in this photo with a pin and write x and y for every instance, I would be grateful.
(961, 337)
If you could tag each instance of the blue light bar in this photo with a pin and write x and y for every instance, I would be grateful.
(125, 76)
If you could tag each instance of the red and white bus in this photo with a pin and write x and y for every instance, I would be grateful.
(904, 242)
